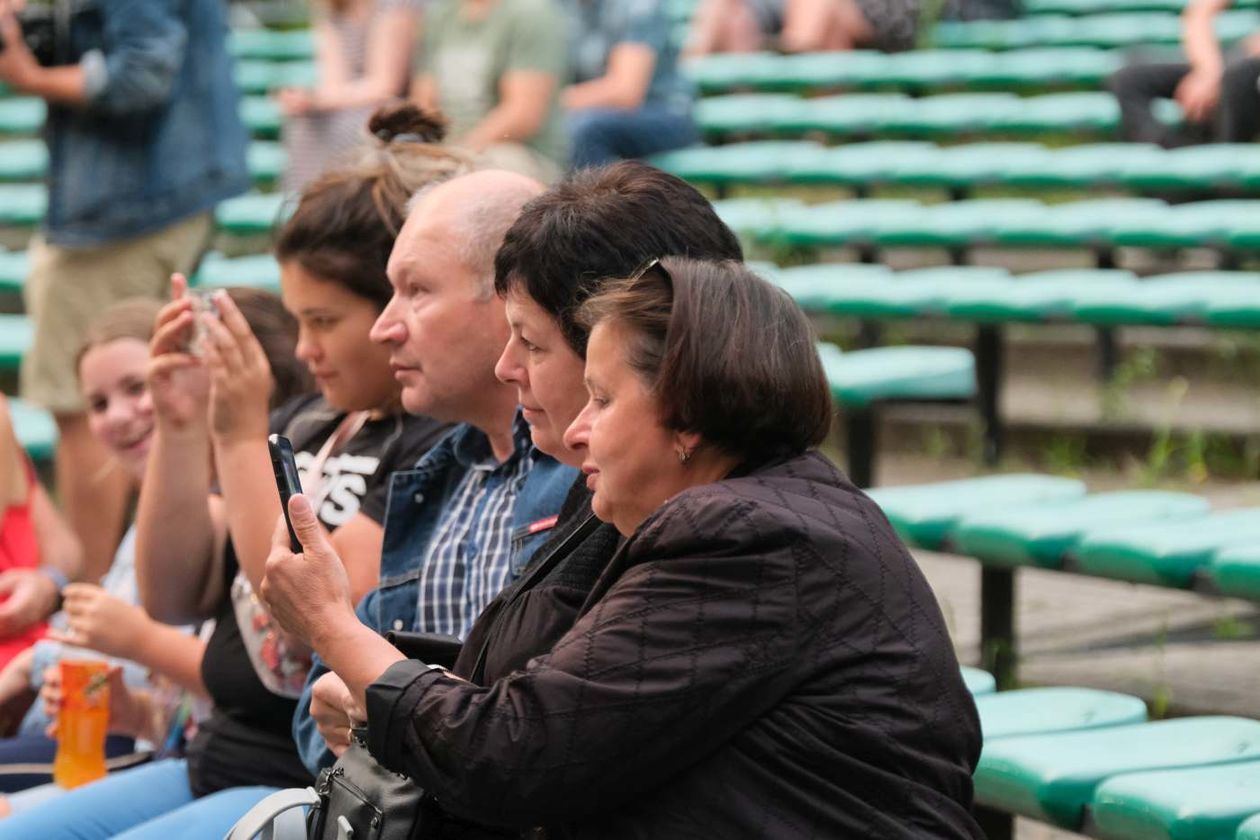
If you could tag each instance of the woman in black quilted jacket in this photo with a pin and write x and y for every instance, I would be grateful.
(762, 657)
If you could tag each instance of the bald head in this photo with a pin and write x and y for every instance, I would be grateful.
(471, 213)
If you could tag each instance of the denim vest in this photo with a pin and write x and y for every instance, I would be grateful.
(160, 138)
(417, 499)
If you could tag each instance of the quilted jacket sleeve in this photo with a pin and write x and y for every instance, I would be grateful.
(702, 633)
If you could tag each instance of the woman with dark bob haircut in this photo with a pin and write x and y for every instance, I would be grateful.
(761, 658)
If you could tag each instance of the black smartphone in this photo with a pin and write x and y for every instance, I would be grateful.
(287, 480)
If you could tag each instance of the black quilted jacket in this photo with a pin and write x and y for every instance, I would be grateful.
(762, 658)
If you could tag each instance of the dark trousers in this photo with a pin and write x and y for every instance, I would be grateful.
(1237, 117)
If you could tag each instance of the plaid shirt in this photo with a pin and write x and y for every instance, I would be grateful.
(469, 558)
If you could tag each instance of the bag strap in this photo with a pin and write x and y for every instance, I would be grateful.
(276, 817)
(539, 571)
(346, 429)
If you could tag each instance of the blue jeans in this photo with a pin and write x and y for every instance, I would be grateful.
(604, 135)
(152, 802)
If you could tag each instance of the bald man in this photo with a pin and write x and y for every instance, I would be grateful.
(467, 519)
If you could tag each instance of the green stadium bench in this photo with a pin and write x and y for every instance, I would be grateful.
(266, 161)
(22, 115)
(1235, 572)
(1181, 298)
(255, 271)
(271, 45)
(1096, 30)
(16, 332)
(1201, 803)
(1034, 297)
(256, 77)
(1162, 553)
(873, 292)
(863, 380)
(741, 163)
(1218, 165)
(261, 116)
(1040, 711)
(739, 114)
(1249, 830)
(926, 514)
(1092, 7)
(1053, 778)
(978, 682)
(23, 160)
(861, 165)
(251, 214)
(22, 205)
(756, 217)
(35, 429)
(14, 266)
(1040, 535)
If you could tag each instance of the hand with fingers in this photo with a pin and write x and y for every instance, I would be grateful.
(179, 382)
(101, 622)
(240, 375)
(17, 63)
(308, 593)
(335, 711)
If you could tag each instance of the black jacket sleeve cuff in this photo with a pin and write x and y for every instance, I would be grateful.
(389, 702)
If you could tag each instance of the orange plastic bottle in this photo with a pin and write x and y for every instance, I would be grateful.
(82, 723)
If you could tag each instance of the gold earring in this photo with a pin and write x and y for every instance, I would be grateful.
(684, 455)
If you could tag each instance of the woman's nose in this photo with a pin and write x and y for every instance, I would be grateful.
(578, 435)
(508, 369)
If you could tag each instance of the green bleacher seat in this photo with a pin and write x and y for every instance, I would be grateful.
(1217, 165)
(22, 205)
(854, 291)
(272, 45)
(1184, 297)
(1164, 554)
(839, 223)
(1053, 777)
(1249, 830)
(816, 288)
(261, 116)
(35, 429)
(746, 113)
(1040, 711)
(1079, 224)
(1095, 30)
(859, 164)
(1202, 803)
(22, 115)
(968, 165)
(14, 266)
(731, 71)
(739, 163)
(955, 113)
(255, 77)
(925, 514)
(1235, 571)
(16, 332)
(1189, 225)
(1085, 165)
(257, 271)
(251, 214)
(1039, 535)
(756, 216)
(862, 377)
(1048, 67)
(959, 224)
(1093, 7)
(266, 161)
(23, 160)
(846, 115)
(979, 682)
(1033, 297)
(1089, 111)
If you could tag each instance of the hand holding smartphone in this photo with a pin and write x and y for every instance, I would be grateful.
(287, 481)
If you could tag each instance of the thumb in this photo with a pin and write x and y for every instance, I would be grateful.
(309, 532)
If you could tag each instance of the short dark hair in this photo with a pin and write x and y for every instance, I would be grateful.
(600, 224)
(728, 356)
(345, 222)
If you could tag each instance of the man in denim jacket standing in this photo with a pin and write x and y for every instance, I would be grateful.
(143, 140)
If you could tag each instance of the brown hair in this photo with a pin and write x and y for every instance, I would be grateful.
(602, 223)
(728, 356)
(345, 222)
(273, 326)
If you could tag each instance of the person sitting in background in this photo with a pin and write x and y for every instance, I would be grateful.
(495, 68)
(803, 25)
(762, 657)
(629, 100)
(1216, 93)
(39, 555)
(104, 620)
(363, 53)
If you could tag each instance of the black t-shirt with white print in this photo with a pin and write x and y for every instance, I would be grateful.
(248, 740)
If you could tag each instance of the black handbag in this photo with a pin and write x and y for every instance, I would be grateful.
(361, 800)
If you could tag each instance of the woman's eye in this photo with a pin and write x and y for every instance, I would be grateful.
(135, 388)
(97, 406)
(529, 345)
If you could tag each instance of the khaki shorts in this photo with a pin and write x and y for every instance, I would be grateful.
(68, 287)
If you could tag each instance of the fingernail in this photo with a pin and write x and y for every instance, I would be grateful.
(300, 504)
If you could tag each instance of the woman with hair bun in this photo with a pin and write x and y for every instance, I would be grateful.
(202, 557)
